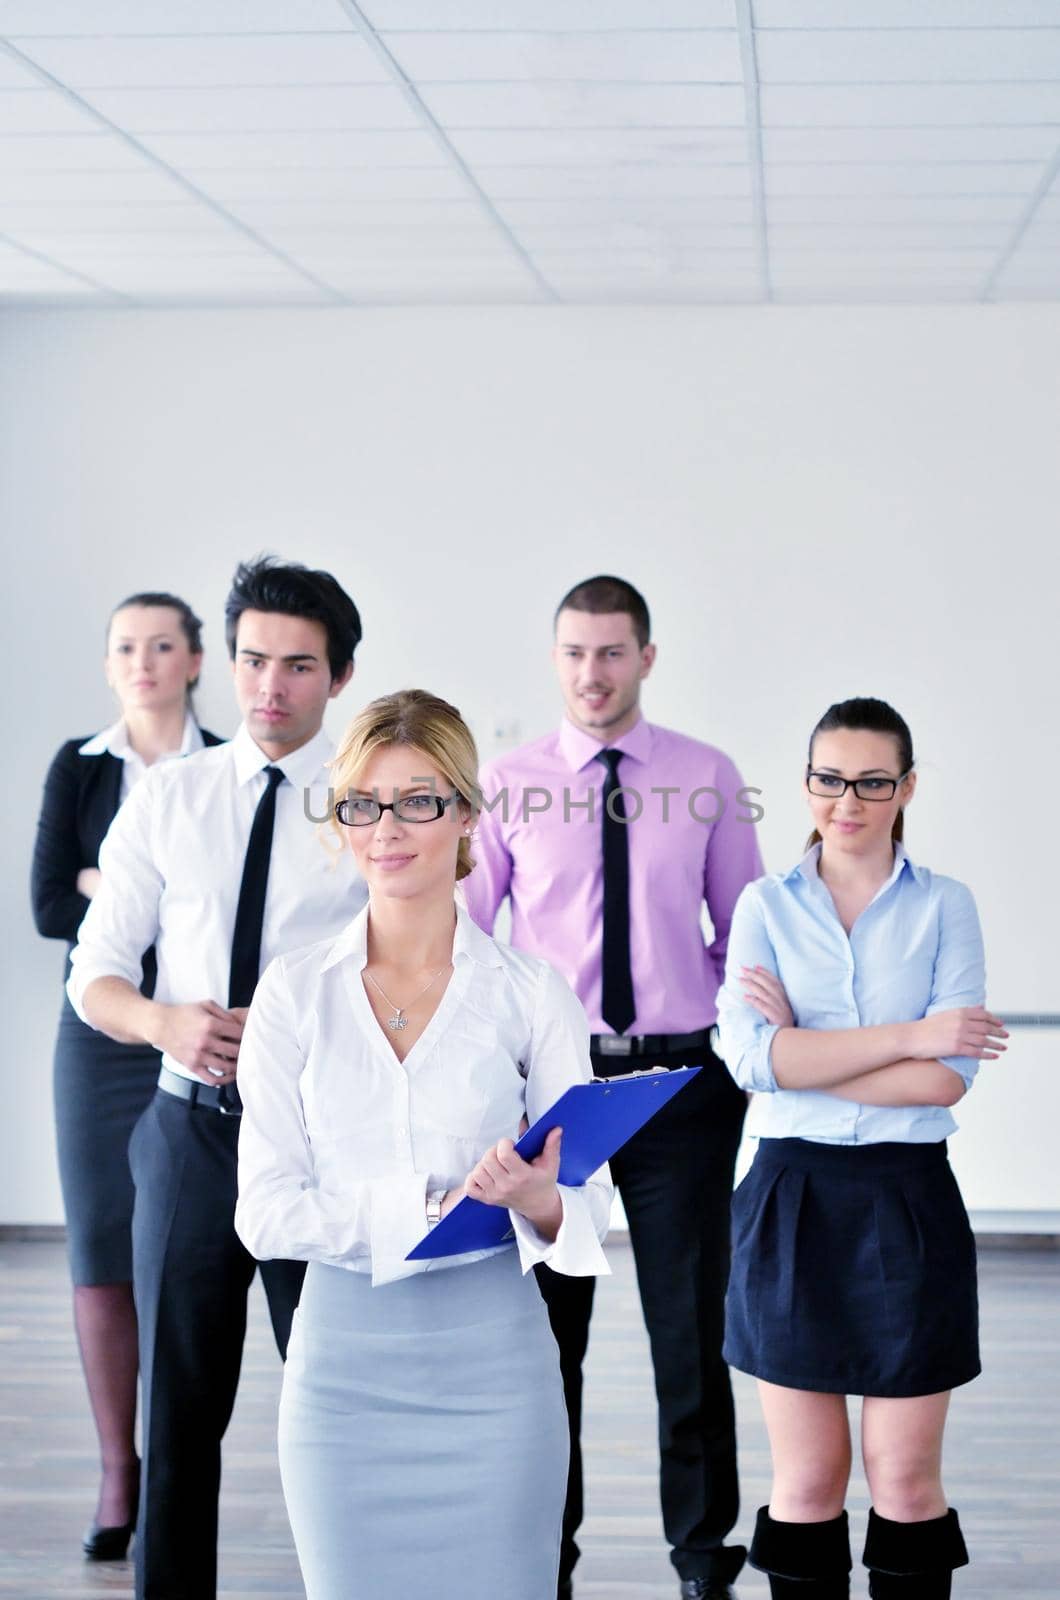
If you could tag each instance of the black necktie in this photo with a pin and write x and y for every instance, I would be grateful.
(250, 912)
(617, 1005)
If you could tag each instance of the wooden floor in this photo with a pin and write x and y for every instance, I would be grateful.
(1003, 1460)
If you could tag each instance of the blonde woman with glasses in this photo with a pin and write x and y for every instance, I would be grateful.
(384, 1075)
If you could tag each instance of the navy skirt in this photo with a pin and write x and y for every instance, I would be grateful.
(853, 1270)
(101, 1090)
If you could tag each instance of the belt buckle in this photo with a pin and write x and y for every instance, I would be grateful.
(614, 1044)
(223, 1105)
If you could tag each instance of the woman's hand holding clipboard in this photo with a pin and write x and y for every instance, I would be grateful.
(597, 1119)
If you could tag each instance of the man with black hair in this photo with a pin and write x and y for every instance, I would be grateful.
(610, 835)
(221, 868)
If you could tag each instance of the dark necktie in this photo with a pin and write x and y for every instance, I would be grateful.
(250, 911)
(617, 1006)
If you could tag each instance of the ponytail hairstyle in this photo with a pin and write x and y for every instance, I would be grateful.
(190, 624)
(865, 715)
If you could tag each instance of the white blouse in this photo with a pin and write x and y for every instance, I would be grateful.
(115, 741)
(340, 1142)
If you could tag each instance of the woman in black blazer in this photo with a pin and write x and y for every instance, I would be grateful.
(154, 652)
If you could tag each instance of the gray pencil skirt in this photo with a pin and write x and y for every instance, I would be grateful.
(423, 1435)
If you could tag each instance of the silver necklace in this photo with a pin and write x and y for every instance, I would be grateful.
(398, 1020)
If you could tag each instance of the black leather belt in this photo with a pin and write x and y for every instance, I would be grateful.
(222, 1097)
(620, 1047)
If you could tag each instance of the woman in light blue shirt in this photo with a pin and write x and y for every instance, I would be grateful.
(853, 1008)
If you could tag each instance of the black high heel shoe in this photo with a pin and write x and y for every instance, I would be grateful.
(107, 1544)
(111, 1544)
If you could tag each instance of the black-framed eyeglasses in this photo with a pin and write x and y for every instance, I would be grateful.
(829, 786)
(362, 810)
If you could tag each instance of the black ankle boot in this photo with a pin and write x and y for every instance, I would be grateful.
(913, 1560)
(804, 1560)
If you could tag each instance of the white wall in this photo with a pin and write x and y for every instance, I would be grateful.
(817, 502)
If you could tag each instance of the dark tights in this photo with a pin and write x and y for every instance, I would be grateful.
(105, 1318)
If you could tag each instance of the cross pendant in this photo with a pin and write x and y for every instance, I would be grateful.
(397, 1021)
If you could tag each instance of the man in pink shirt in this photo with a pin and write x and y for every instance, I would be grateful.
(608, 835)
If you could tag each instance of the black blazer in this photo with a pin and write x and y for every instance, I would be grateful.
(81, 796)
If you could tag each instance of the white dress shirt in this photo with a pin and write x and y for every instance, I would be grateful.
(341, 1142)
(172, 863)
(115, 741)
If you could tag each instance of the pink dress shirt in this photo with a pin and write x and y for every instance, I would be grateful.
(691, 840)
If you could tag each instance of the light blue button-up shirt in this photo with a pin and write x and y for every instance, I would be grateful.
(915, 949)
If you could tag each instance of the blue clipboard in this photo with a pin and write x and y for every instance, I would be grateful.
(597, 1118)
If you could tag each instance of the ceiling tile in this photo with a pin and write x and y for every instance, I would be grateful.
(613, 292)
(24, 219)
(890, 293)
(604, 210)
(909, 144)
(1025, 271)
(58, 189)
(341, 265)
(301, 150)
(55, 290)
(468, 281)
(22, 272)
(15, 76)
(617, 185)
(394, 243)
(1013, 177)
(12, 259)
(633, 288)
(732, 263)
(39, 111)
(575, 147)
(1037, 251)
(844, 237)
(320, 189)
(577, 105)
(1043, 235)
(910, 105)
(50, 17)
(895, 208)
(340, 217)
(600, 286)
(498, 57)
(952, 266)
(246, 110)
(60, 152)
(131, 274)
(389, 289)
(904, 13)
(724, 266)
(554, 15)
(570, 237)
(209, 62)
(899, 158)
(914, 55)
(84, 245)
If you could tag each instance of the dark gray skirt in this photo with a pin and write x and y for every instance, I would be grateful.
(423, 1435)
(853, 1270)
(101, 1089)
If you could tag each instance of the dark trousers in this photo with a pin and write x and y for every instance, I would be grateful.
(191, 1275)
(675, 1178)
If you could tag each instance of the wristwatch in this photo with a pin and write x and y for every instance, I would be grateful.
(434, 1207)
